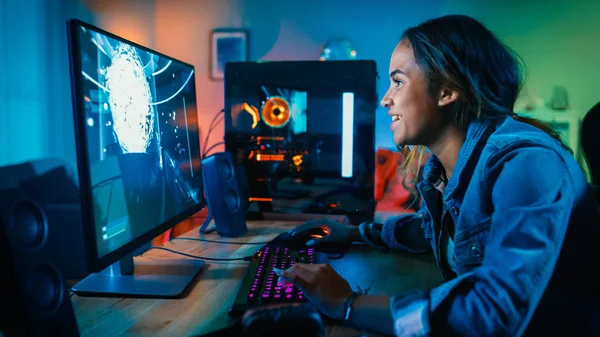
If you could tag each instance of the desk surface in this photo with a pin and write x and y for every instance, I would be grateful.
(206, 306)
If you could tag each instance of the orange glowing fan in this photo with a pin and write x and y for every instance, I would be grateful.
(276, 112)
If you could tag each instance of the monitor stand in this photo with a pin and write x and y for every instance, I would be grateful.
(148, 278)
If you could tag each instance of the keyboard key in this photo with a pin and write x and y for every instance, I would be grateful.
(265, 287)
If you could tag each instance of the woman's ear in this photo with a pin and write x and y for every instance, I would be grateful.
(447, 96)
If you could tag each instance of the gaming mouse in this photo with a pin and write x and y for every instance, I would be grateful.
(304, 236)
(311, 233)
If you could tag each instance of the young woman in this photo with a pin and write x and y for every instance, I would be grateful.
(506, 209)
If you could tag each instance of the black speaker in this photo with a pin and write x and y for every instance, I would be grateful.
(225, 189)
(33, 254)
(49, 189)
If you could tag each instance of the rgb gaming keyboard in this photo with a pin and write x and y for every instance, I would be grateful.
(260, 287)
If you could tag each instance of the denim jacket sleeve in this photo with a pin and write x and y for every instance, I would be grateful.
(404, 232)
(526, 232)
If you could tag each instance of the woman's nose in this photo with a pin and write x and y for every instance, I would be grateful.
(386, 102)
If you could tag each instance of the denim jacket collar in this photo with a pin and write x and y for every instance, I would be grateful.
(477, 135)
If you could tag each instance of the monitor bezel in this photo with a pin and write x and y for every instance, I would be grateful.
(96, 262)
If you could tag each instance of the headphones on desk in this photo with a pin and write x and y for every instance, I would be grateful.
(289, 319)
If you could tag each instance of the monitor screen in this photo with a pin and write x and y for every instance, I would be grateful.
(306, 139)
(138, 139)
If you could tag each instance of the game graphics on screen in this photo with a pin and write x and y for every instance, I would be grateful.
(140, 138)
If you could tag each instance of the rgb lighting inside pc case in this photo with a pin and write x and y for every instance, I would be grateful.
(304, 132)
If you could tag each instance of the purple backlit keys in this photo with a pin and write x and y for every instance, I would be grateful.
(264, 288)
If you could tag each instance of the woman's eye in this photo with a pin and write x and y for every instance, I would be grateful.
(398, 83)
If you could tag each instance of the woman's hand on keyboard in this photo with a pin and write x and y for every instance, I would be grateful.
(332, 232)
(321, 285)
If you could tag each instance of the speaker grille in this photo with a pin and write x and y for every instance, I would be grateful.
(28, 223)
(225, 169)
(232, 199)
(44, 285)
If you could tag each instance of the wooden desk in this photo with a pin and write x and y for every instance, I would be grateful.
(206, 306)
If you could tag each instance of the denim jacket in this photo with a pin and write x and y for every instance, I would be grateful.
(525, 244)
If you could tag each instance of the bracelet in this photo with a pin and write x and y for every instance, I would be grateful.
(348, 305)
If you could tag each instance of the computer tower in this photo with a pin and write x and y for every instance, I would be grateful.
(304, 133)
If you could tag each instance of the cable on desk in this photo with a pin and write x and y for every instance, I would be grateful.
(225, 242)
(170, 231)
(330, 257)
(245, 258)
(212, 229)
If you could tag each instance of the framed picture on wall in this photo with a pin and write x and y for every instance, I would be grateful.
(227, 45)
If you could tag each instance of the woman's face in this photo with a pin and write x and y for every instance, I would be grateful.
(415, 115)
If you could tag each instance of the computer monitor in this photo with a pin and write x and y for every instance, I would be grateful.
(138, 151)
(304, 131)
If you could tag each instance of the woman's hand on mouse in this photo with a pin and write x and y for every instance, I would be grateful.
(321, 285)
(336, 232)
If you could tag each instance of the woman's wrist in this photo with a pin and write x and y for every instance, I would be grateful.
(372, 313)
(349, 306)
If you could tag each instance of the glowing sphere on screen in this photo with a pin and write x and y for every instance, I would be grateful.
(129, 99)
(339, 50)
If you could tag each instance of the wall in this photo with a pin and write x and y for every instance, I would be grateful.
(36, 118)
(131, 19)
(558, 41)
